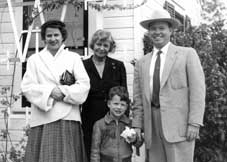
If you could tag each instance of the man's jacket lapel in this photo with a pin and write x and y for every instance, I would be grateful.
(146, 74)
(170, 59)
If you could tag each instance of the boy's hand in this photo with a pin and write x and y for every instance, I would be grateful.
(138, 132)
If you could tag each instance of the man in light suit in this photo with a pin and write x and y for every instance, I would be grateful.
(168, 94)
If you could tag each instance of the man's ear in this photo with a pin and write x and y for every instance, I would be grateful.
(171, 29)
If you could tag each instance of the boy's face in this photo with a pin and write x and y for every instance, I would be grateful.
(117, 106)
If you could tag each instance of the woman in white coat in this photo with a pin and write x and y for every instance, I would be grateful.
(55, 83)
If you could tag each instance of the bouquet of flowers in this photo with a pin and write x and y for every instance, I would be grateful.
(129, 134)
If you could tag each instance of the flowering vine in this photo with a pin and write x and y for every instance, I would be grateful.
(78, 4)
(99, 6)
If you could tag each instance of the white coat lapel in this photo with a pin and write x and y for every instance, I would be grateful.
(170, 59)
(48, 62)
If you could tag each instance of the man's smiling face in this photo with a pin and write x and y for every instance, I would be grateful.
(160, 33)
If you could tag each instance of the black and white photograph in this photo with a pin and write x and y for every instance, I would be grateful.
(113, 81)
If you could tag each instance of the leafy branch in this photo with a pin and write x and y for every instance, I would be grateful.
(7, 101)
(52, 5)
(78, 4)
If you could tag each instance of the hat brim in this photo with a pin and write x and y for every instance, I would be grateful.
(146, 23)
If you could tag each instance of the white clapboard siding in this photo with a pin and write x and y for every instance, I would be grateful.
(15, 123)
(118, 13)
(123, 45)
(120, 2)
(122, 33)
(7, 38)
(6, 27)
(7, 47)
(15, 135)
(5, 80)
(121, 24)
(6, 75)
(4, 70)
(3, 55)
(7, 43)
(125, 56)
(5, 18)
(118, 22)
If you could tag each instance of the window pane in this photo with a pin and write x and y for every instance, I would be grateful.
(74, 23)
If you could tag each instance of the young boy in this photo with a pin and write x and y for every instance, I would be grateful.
(112, 137)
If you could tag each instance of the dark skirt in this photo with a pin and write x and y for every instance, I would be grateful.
(60, 141)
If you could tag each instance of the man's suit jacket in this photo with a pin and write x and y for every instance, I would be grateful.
(182, 94)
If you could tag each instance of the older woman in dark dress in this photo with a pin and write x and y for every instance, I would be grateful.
(104, 73)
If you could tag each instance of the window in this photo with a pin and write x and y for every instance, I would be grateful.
(74, 21)
(170, 8)
(184, 20)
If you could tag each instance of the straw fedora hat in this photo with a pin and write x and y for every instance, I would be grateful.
(159, 15)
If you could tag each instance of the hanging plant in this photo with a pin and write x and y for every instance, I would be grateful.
(51, 5)
(100, 6)
(56, 4)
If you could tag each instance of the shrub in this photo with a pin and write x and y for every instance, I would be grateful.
(16, 151)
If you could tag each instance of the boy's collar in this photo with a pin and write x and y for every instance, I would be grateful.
(108, 119)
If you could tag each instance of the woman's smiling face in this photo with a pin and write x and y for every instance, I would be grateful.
(101, 48)
(53, 39)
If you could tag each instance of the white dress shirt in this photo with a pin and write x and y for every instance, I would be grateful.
(153, 59)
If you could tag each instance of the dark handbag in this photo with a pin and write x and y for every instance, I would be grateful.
(67, 78)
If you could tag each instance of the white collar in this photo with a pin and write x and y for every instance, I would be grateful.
(59, 50)
(163, 49)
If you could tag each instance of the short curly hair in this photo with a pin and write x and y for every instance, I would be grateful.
(103, 35)
(54, 24)
(120, 91)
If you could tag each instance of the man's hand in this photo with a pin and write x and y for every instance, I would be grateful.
(138, 132)
(192, 132)
(57, 94)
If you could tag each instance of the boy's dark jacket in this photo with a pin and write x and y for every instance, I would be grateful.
(107, 144)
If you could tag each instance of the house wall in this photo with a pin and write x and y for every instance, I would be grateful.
(193, 10)
(16, 122)
(121, 25)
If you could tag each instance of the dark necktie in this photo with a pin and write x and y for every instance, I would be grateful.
(156, 81)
